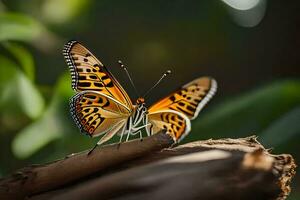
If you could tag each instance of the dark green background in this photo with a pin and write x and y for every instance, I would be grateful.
(256, 67)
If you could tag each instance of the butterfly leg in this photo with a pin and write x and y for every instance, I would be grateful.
(128, 134)
(128, 128)
(139, 131)
(107, 136)
(136, 132)
(121, 136)
(92, 149)
(123, 132)
(145, 121)
(141, 135)
(150, 130)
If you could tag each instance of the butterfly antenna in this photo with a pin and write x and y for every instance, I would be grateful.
(125, 69)
(161, 78)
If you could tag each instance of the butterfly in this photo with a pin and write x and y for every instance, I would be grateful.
(102, 107)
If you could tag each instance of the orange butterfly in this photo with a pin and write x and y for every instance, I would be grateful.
(101, 105)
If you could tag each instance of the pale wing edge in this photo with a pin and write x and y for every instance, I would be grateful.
(207, 98)
(66, 53)
(74, 116)
(70, 62)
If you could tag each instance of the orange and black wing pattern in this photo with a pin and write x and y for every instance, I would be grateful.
(189, 99)
(95, 113)
(88, 73)
(174, 112)
(176, 124)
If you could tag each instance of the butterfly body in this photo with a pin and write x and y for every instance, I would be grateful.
(136, 121)
(102, 107)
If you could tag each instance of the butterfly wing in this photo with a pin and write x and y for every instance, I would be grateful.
(185, 104)
(176, 124)
(88, 73)
(95, 113)
(189, 99)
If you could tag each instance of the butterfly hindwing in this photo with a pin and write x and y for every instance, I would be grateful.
(88, 73)
(176, 124)
(189, 99)
(95, 113)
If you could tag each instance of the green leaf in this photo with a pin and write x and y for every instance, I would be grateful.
(284, 134)
(56, 11)
(24, 58)
(53, 124)
(30, 98)
(16, 26)
(248, 114)
(282, 130)
(35, 136)
(17, 93)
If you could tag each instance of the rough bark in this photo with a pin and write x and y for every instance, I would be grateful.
(210, 169)
(38, 178)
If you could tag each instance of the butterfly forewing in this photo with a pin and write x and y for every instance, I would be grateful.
(88, 73)
(175, 111)
(189, 99)
(96, 113)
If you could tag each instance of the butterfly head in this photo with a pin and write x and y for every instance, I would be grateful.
(140, 101)
(141, 105)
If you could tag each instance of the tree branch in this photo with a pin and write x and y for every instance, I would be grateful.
(210, 169)
(38, 178)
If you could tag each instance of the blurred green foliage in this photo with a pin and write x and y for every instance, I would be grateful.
(34, 116)
(18, 93)
(16, 26)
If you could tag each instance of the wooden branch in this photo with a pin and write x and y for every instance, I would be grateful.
(38, 178)
(210, 169)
